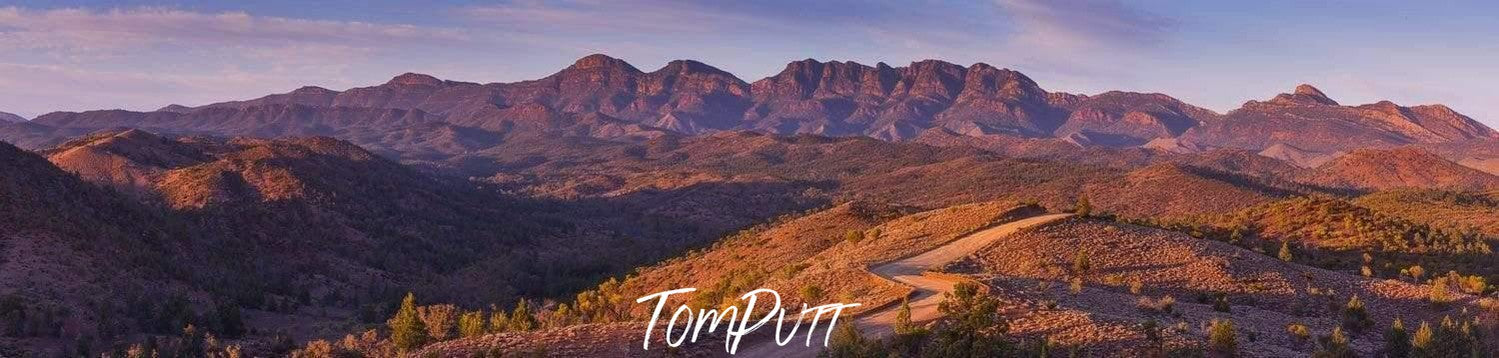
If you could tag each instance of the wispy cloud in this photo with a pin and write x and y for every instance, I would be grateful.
(92, 31)
(1080, 25)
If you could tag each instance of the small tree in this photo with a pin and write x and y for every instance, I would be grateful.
(1084, 206)
(903, 317)
(848, 342)
(1335, 346)
(1081, 263)
(471, 324)
(407, 331)
(973, 326)
(1397, 342)
(499, 321)
(1423, 344)
(1221, 337)
(440, 321)
(1285, 251)
(1416, 272)
(1355, 316)
(1299, 332)
(1440, 294)
(521, 319)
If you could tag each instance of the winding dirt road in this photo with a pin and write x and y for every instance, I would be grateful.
(910, 271)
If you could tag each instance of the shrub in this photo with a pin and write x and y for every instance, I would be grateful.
(1081, 264)
(848, 342)
(1162, 305)
(1285, 251)
(1439, 293)
(1220, 304)
(973, 326)
(812, 293)
(1299, 332)
(1136, 286)
(853, 236)
(1084, 206)
(1221, 337)
(1355, 316)
(1397, 343)
(1335, 346)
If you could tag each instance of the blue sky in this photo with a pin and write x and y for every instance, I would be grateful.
(79, 55)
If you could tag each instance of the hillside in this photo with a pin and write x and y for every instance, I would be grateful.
(1456, 210)
(1029, 273)
(1399, 168)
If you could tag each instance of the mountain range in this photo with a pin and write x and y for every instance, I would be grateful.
(604, 97)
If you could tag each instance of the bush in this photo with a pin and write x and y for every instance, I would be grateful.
(1355, 316)
(972, 327)
(1162, 305)
(1220, 304)
(1397, 343)
(848, 342)
(1299, 332)
(1335, 346)
(853, 236)
(1221, 337)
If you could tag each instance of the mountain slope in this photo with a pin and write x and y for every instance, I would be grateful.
(10, 118)
(1307, 119)
(1399, 168)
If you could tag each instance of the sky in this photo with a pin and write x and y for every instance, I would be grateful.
(142, 55)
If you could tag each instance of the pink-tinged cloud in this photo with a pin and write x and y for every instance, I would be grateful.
(93, 31)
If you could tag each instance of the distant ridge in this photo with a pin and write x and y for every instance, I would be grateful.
(608, 98)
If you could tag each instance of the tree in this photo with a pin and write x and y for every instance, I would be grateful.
(521, 319)
(1221, 337)
(973, 326)
(407, 331)
(471, 324)
(903, 317)
(1084, 207)
(1285, 251)
(1355, 316)
(1424, 343)
(1335, 346)
(440, 321)
(848, 342)
(1081, 263)
(1397, 343)
(499, 321)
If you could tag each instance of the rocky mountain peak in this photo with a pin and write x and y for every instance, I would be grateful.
(1304, 94)
(309, 90)
(417, 79)
(692, 67)
(602, 61)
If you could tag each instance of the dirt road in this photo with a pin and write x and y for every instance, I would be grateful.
(909, 271)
